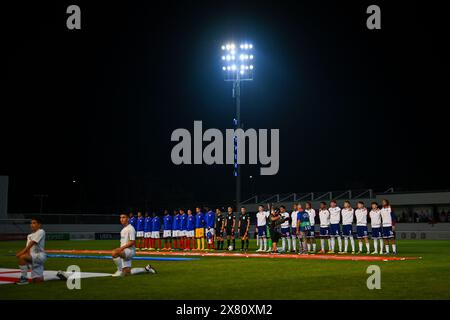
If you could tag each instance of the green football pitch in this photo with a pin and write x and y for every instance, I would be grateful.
(230, 278)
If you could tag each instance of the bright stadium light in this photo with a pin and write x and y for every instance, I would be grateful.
(237, 71)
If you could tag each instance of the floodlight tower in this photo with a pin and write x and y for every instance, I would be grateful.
(237, 66)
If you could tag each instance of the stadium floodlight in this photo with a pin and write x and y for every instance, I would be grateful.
(237, 71)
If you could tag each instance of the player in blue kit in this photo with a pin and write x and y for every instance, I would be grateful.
(140, 230)
(183, 229)
(147, 231)
(175, 229)
(210, 219)
(132, 220)
(156, 227)
(190, 233)
(167, 227)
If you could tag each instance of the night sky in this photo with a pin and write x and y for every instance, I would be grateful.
(356, 108)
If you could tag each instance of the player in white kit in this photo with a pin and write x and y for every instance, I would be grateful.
(294, 227)
(348, 214)
(324, 217)
(285, 230)
(311, 236)
(33, 255)
(361, 227)
(388, 233)
(122, 256)
(335, 219)
(261, 222)
(375, 222)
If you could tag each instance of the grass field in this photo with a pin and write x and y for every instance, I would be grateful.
(245, 278)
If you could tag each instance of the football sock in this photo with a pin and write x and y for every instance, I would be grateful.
(118, 262)
(360, 246)
(258, 239)
(270, 243)
(289, 243)
(198, 244)
(137, 270)
(23, 270)
(314, 246)
(213, 245)
(234, 244)
(375, 245)
(246, 244)
(228, 243)
(368, 246)
(394, 248)
(332, 244)
(294, 243)
(283, 241)
(242, 244)
(352, 242)
(218, 244)
(322, 244)
(381, 245)
(309, 246)
(387, 248)
(339, 243)
(265, 244)
(159, 243)
(329, 244)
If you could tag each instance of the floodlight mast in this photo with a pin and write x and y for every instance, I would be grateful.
(238, 67)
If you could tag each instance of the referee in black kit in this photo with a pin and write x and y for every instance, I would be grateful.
(244, 224)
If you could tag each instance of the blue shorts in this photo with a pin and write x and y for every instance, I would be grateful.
(324, 232)
(347, 230)
(311, 233)
(376, 233)
(335, 230)
(361, 231)
(285, 232)
(387, 232)
(293, 231)
(262, 231)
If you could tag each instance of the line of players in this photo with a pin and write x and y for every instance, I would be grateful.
(185, 231)
(300, 225)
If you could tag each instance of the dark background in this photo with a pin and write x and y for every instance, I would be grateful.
(356, 108)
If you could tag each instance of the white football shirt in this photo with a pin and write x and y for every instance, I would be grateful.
(39, 237)
(347, 216)
(261, 218)
(386, 217)
(285, 224)
(294, 219)
(375, 218)
(127, 234)
(324, 216)
(335, 215)
(312, 216)
(361, 217)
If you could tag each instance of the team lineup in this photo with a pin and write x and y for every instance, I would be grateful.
(208, 231)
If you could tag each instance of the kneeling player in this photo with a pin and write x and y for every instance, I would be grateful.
(33, 254)
(122, 256)
(361, 226)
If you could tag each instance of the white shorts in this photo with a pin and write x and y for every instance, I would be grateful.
(147, 234)
(190, 234)
(140, 234)
(155, 234)
(37, 266)
(183, 233)
(129, 254)
(211, 230)
(167, 233)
